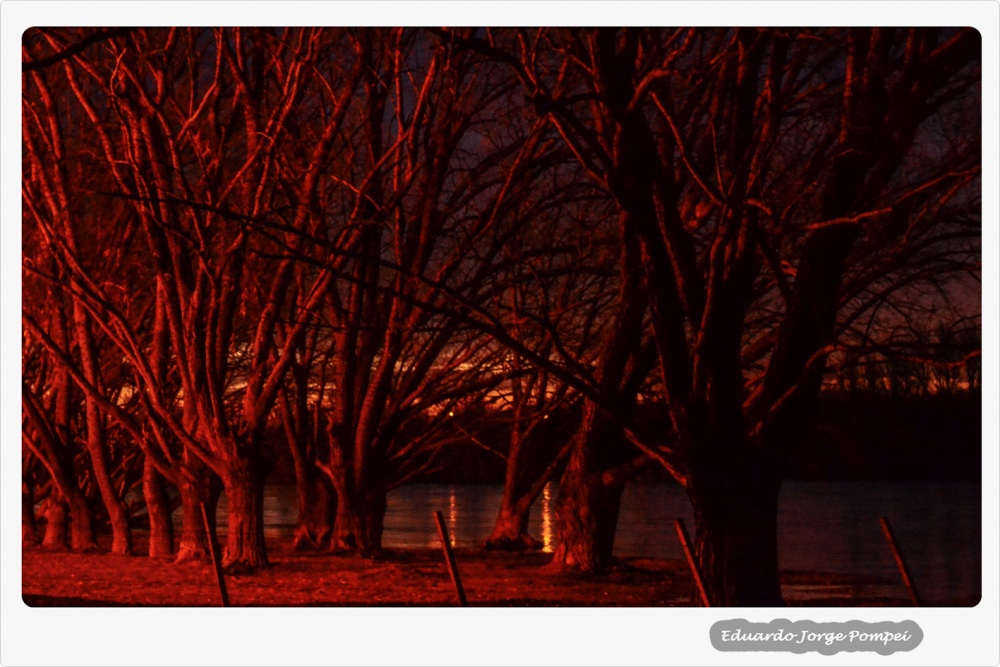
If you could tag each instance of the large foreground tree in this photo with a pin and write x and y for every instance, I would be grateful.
(186, 133)
(753, 171)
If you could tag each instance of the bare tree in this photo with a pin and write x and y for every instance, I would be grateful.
(747, 167)
(47, 405)
(187, 123)
(47, 194)
(427, 196)
(553, 306)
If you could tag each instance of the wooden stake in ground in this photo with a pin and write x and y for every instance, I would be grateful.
(213, 548)
(449, 558)
(900, 563)
(686, 546)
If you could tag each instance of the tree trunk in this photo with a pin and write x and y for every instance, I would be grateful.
(82, 537)
(314, 528)
(736, 536)
(56, 523)
(245, 548)
(510, 532)
(193, 544)
(359, 523)
(587, 507)
(317, 501)
(361, 503)
(161, 527)
(29, 535)
(587, 513)
(121, 540)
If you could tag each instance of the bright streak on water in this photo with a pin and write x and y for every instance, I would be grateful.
(452, 517)
(548, 541)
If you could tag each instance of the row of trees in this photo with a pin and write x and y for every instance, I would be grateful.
(363, 239)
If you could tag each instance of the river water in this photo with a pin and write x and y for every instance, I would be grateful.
(828, 526)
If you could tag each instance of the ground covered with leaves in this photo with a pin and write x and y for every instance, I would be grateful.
(401, 578)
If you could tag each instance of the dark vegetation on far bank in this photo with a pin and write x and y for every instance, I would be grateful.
(847, 436)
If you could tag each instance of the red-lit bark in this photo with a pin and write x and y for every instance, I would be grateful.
(317, 506)
(531, 396)
(54, 195)
(432, 211)
(192, 215)
(161, 527)
(29, 527)
(521, 489)
(56, 526)
(48, 435)
(590, 492)
(96, 440)
(316, 500)
(245, 549)
(587, 506)
(196, 489)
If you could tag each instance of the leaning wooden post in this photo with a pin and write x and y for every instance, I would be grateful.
(900, 563)
(213, 548)
(686, 546)
(449, 557)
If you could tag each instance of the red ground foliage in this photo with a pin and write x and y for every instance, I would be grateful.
(402, 578)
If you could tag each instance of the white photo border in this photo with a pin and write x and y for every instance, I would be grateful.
(444, 636)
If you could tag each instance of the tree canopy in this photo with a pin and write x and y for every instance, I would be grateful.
(367, 245)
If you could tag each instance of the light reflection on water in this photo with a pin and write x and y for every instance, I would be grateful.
(452, 515)
(547, 516)
(823, 526)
